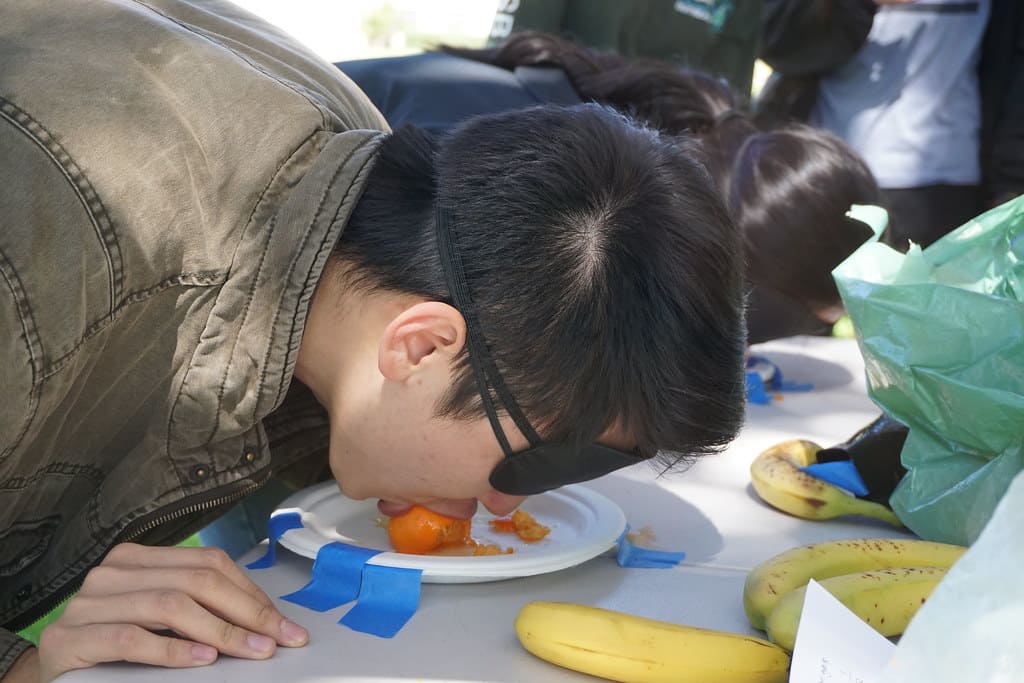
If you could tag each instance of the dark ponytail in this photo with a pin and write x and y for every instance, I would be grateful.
(789, 192)
(666, 96)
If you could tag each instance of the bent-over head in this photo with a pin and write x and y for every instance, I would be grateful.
(603, 269)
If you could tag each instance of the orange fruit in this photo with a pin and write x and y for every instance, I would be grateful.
(420, 531)
(527, 528)
(523, 524)
(504, 524)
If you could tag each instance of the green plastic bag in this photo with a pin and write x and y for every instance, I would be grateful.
(941, 331)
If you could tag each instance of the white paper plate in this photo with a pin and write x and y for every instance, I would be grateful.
(583, 525)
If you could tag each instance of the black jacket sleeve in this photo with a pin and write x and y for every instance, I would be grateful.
(813, 37)
(11, 647)
(1001, 75)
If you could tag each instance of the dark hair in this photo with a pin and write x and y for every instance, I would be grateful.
(668, 97)
(788, 189)
(604, 268)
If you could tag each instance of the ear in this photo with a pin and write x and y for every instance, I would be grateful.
(418, 336)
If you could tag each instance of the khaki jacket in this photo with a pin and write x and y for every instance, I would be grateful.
(173, 176)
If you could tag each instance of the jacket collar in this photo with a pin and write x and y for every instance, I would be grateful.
(244, 362)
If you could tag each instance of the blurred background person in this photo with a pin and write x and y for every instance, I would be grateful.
(898, 80)
(1002, 104)
(718, 37)
(787, 188)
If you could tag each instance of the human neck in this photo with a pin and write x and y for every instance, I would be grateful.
(342, 335)
(327, 342)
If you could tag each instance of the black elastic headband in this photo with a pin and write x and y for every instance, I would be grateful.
(484, 368)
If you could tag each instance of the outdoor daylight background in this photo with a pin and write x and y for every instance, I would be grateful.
(354, 29)
(339, 30)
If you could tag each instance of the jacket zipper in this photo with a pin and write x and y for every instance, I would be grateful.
(133, 531)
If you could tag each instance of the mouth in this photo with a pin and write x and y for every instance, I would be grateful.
(386, 507)
(459, 509)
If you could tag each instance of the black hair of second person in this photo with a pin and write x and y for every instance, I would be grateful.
(789, 188)
(775, 193)
(604, 268)
(663, 95)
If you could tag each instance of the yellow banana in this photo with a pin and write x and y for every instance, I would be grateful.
(887, 599)
(774, 578)
(624, 647)
(777, 478)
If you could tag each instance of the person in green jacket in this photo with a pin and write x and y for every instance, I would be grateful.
(719, 37)
(219, 269)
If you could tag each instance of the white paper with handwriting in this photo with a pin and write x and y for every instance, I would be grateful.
(833, 645)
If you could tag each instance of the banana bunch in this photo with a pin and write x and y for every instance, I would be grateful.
(882, 580)
(778, 480)
(624, 647)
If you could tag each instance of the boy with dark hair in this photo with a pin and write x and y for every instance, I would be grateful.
(218, 272)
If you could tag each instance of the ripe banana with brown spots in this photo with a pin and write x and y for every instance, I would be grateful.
(786, 572)
(886, 599)
(778, 480)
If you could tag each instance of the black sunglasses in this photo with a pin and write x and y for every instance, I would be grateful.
(543, 466)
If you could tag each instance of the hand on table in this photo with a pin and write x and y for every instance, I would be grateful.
(198, 593)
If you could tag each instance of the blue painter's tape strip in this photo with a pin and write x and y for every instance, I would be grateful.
(756, 365)
(337, 575)
(755, 390)
(842, 473)
(388, 599)
(633, 556)
(276, 526)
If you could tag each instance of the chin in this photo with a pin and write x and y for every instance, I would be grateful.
(347, 489)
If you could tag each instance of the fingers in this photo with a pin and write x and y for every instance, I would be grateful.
(198, 593)
(208, 588)
(133, 555)
(170, 609)
(70, 648)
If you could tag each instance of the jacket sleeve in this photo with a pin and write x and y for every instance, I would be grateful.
(813, 37)
(1006, 161)
(1003, 144)
(527, 15)
(15, 411)
(11, 647)
(19, 349)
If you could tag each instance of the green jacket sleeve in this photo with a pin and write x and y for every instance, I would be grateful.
(527, 15)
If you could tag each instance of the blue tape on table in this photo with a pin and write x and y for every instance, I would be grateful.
(276, 526)
(337, 576)
(755, 390)
(768, 378)
(388, 599)
(630, 555)
(842, 473)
